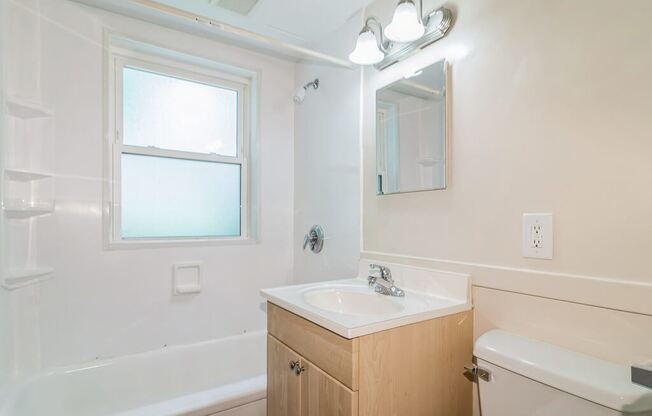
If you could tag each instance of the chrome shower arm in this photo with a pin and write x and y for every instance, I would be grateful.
(314, 84)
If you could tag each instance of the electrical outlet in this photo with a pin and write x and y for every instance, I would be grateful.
(537, 236)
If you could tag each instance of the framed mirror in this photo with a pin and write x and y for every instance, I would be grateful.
(411, 132)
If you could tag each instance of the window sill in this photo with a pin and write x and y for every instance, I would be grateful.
(172, 243)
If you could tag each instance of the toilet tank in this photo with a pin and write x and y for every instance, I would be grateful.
(533, 378)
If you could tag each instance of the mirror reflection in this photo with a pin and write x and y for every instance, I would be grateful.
(411, 132)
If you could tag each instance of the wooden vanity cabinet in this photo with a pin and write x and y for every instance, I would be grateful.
(415, 370)
(283, 385)
(302, 388)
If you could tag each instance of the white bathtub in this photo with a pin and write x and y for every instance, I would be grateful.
(224, 377)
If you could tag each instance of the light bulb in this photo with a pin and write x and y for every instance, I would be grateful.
(366, 50)
(405, 25)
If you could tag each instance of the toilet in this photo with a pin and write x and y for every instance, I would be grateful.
(526, 377)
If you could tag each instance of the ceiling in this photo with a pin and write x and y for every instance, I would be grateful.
(299, 23)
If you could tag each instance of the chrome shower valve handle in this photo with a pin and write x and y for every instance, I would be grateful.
(314, 239)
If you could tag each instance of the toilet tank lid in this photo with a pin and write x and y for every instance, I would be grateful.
(590, 378)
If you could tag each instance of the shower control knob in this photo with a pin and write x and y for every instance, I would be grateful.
(314, 239)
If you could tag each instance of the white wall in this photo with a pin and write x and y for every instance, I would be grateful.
(327, 163)
(105, 303)
(4, 302)
(546, 117)
(6, 335)
(5, 340)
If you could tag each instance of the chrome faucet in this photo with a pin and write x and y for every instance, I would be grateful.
(381, 278)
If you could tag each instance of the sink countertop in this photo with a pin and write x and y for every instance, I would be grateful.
(418, 305)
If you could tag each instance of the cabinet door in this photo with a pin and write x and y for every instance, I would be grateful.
(322, 395)
(283, 384)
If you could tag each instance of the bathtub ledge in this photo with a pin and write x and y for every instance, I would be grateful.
(207, 401)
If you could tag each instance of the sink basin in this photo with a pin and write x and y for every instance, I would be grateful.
(350, 308)
(352, 301)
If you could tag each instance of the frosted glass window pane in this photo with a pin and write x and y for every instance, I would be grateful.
(165, 197)
(176, 114)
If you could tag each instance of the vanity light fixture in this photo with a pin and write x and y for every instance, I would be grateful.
(368, 49)
(408, 32)
(406, 25)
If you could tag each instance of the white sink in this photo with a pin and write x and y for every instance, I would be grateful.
(351, 308)
(352, 300)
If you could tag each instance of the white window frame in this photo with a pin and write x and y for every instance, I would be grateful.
(119, 59)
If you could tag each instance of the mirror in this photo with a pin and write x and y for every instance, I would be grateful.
(411, 132)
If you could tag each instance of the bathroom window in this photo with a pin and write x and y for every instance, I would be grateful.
(179, 166)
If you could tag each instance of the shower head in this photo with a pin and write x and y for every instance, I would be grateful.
(300, 94)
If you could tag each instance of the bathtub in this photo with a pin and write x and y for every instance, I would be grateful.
(224, 377)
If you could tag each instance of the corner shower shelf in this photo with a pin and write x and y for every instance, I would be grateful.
(25, 175)
(26, 110)
(25, 209)
(25, 277)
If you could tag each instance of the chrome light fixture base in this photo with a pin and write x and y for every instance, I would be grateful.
(438, 23)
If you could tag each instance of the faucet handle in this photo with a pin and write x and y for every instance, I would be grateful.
(371, 279)
(385, 273)
(377, 268)
(373, 269)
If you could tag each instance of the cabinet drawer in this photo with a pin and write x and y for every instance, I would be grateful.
(335, 355)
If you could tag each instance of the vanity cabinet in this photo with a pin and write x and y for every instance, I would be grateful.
(295, 386)
(283, 385)
(415, 370)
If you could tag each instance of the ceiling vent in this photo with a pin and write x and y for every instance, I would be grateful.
(239, 6)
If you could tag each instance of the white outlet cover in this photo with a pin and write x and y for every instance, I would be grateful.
(537, 237)
(186, 278)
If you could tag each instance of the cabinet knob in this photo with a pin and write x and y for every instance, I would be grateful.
(298, 369)
(293, 364)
